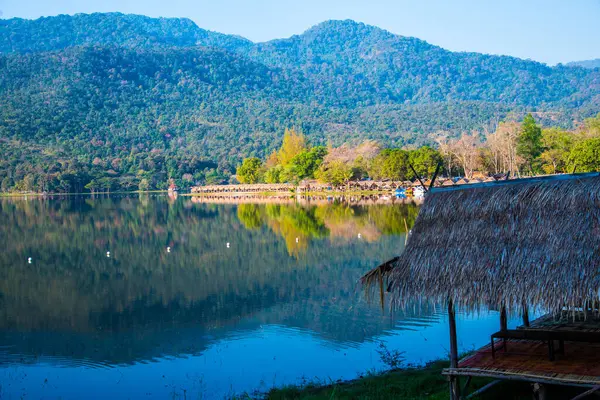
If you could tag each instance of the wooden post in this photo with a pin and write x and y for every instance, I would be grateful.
(418, 177)
(525, 315)
(437, 170)
(503, 319)
(503, 323)
(541, 391)
(381, 295)
(454, 380)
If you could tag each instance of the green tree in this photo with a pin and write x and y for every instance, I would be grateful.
(303, 165)
(425, 161)
(336, 172)
(250, 171)
(273, 175)
(29, 182)
(557, 145)
(6, 184)
(529, 142)
(293, 144)
(592, 125)
(144, 185)
(586, 155)
(391, 164)
(214, 177)
(92, 186)
(106, 184)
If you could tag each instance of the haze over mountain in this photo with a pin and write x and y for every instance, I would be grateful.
(117, 94)
(586, 63)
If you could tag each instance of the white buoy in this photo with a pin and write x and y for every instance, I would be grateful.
(108, 254)
(29, 260)
(168, 249)
(227, 244)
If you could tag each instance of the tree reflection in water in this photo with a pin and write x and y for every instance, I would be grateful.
(73, 304)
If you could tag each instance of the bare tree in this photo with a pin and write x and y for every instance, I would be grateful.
(502, 146)
(450, 162)
(465, 151)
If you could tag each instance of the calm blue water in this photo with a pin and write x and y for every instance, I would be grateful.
(173, 311)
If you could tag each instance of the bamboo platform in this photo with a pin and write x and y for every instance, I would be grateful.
(528, 361)
(572, 322)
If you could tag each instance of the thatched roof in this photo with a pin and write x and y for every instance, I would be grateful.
(531, 240)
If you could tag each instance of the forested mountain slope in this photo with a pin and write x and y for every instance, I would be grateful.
(106, 96)
(56, 33)
(371, 65)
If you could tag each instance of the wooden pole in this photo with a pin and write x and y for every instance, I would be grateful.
(503, 318)
(437, 170)
(483, 389)
(525, 315)
(595, 389)
(454, 380)
(381, 296)
(418, 177)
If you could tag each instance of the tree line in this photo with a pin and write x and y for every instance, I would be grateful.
(297, 160)
(524, 149)
(517, 148)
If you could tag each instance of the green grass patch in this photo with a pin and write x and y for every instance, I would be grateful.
(413, 383)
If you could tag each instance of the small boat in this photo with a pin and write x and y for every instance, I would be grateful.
(419, 192)
(400, 193)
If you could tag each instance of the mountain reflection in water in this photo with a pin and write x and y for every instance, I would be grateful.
(172, 287)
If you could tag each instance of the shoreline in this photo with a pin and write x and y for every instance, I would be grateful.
(219, 195)
(410, 382)
(32, 194)
(292, 194)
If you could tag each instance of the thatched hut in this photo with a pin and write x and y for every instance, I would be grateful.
(512, 245)
(447, 182)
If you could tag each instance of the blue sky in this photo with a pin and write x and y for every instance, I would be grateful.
(550, 31)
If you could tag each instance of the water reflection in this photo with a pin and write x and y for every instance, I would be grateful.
(299, 224)
(73, 305)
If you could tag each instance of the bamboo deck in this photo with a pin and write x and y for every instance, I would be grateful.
(528, 361)
(573, 322)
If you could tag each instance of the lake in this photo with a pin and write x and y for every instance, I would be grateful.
(147, 296)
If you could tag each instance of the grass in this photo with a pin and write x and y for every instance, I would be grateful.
(410, 384)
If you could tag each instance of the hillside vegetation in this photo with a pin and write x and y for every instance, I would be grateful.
(138, 102)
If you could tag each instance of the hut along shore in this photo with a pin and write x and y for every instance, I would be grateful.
(512, 246)
(314, 186)
(253, 198)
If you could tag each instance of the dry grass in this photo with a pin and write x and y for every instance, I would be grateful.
(535, 241)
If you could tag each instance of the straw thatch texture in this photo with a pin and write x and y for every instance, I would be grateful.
(535, 241)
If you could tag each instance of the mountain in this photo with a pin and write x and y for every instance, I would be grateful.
(380, 67)
(126, 98)
(109, 29)
(586, 64)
